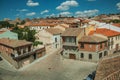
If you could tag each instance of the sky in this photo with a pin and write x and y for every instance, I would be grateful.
(13, 9)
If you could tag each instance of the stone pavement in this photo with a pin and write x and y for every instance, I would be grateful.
(50, 67)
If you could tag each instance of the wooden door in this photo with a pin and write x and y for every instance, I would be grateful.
(72, 56)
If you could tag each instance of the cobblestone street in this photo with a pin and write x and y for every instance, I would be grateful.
(50, 67)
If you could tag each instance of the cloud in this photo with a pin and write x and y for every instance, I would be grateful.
(65, 13)
(118, 5)
(22, 10)
(86, 13)
(52, 15)
(31, 3)
(30, 14)
(67, 4)
(17, 15)
(45, 11)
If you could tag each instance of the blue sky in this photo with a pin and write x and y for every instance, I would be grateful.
(42, 8)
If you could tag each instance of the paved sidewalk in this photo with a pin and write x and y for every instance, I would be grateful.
(51, 67)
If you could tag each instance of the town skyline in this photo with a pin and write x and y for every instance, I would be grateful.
(38, 8)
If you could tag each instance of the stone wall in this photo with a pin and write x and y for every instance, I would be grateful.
(109, 68)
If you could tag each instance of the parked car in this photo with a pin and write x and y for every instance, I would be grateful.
(91, 76)
(0, 59)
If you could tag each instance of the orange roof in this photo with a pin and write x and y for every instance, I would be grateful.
(105, 32)
(116, 24)
(42, 23)
(2, 32)
(14, 43)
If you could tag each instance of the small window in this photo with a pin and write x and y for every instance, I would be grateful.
(100, 55)
(12, 55)
(82, 55)
(116, 37)
(82, 45)
(55, 39)
(106, 44)
(105, 53)
(100, 45)
(72, 40)
(90, 56)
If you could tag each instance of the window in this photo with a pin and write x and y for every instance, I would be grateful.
(106, 44)
(112, 42)
(82, 45)
(90, 56)
(66, 39)
(105, 53)
(55, 39)
(100, 45)
(82, 55)
(111, 39)
(100, 55)
(12, 55)
(116, 37)
(72, 40)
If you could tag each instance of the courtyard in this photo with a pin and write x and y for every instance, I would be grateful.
(50, 67)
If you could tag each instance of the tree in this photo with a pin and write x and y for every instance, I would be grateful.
(5, 24)
(25, 33)
(36, 43)
(22, 22)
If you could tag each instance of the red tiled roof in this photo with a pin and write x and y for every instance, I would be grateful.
(2, 32)
(92, 39)
(72, 32)
(116, 24)
(54, 31)
(14, 43)
(105, 32)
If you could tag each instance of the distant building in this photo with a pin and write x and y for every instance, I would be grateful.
(39, 25)
(51, 37)
(19, 52)
(62, 27)
(5, 33)
(109, 68)
(116, 24)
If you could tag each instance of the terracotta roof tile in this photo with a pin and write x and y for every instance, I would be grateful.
(92, 39)
(116, 24)
(54, 31)
(72, 32)
(105, 32)
(2, 32)
(14, 43)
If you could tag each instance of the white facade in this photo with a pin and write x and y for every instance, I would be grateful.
(37, 28)
(53, 40)
(57, 41)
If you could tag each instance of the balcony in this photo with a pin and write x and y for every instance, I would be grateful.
(26, 55)
(23, 56)
(69, 44)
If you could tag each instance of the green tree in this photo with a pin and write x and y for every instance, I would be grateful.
(25, 33)
(6, 24)
(36, 43)
(22, 22)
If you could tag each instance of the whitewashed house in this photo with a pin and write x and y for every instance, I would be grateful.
(50, 37)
